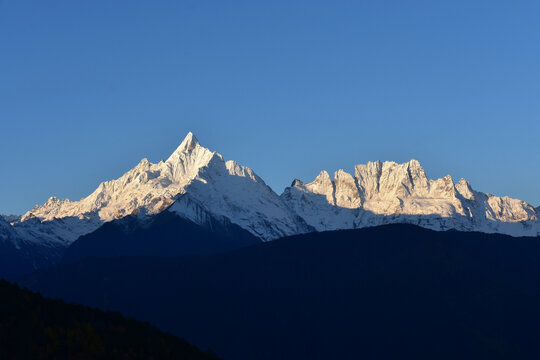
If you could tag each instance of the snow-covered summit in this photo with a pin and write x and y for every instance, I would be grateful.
(149, 187)
(189, 143)
(224, 189)
(387, 192)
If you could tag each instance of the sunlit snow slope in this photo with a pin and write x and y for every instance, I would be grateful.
(198, 181)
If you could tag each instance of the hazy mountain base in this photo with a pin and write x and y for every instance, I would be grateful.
(32, 327)
(25, 257)
(395, 291)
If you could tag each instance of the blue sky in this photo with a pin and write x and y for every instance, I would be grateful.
(288, 88)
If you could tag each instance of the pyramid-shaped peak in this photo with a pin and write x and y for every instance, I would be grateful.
(189, 142)
(323, 177)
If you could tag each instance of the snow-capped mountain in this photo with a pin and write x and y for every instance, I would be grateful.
(198, 181)
(387, 192)
(199, 185)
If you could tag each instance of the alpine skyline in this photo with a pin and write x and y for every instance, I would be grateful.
(197, 188)
(286, 89)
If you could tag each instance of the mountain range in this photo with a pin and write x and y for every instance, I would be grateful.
(197, 186)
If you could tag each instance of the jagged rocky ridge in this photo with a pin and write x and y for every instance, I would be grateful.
(198, 184)
(387, 192)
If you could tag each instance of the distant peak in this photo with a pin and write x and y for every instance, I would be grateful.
(143, 162)
(340, 174)
(53, 200)
(189, 143)
(323, 176)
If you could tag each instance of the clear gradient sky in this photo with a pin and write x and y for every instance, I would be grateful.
(288, 88)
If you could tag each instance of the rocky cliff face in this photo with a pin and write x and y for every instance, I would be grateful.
(387, 192)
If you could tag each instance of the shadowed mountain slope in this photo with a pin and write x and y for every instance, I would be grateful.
(164, 234)
(394, 291)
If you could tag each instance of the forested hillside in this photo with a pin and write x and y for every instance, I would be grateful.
(33, 327)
